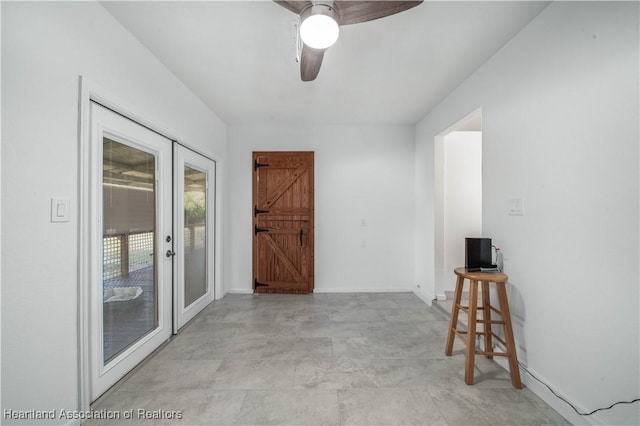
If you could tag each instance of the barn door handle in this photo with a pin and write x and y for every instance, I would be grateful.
(300, 234)
(256, 230)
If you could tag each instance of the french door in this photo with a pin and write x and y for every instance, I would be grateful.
(131, 209)
(152, 259)
(194, 215)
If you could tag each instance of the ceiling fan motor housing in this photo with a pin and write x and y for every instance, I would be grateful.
(319, 25)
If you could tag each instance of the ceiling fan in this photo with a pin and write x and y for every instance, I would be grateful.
(320, 24)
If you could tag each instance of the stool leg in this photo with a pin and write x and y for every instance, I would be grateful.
(486, 316)
(508, 336)
(454, 316)
(471, 332)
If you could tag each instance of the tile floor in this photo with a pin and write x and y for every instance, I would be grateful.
(320, 359)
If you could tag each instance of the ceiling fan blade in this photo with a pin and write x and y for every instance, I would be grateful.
(295, 6)
(354, 12)
(310, 61)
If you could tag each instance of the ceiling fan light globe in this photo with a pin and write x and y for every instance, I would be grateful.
(319, 31)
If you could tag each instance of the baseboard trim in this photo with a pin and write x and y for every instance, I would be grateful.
(553, 401)
(238, 291)
(424, 296)
(335, 290)
(362, 290)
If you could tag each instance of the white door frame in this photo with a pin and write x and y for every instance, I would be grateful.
(91, 91)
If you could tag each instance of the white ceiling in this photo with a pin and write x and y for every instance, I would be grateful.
(239, 57)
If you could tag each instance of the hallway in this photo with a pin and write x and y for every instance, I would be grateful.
(330, 359)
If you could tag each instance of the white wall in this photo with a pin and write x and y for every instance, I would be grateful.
(361, 172)
(462, 196)
(560, 120)
(560, 116)
(45, 48)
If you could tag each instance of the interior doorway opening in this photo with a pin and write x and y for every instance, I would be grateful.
(458, 197)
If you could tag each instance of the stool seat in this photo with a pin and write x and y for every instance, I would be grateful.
(482, 276)
(469, 336)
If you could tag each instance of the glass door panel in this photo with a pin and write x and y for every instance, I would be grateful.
(195, 235)
(128, 261)
(194, 185)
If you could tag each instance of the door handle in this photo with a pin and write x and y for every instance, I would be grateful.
(170, 253)
(300, 237)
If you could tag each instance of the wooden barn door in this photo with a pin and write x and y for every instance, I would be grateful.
(283, 211)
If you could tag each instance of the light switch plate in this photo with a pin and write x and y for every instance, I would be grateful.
(60, 209)
(516, 206)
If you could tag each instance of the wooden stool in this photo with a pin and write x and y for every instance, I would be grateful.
(469, 336)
